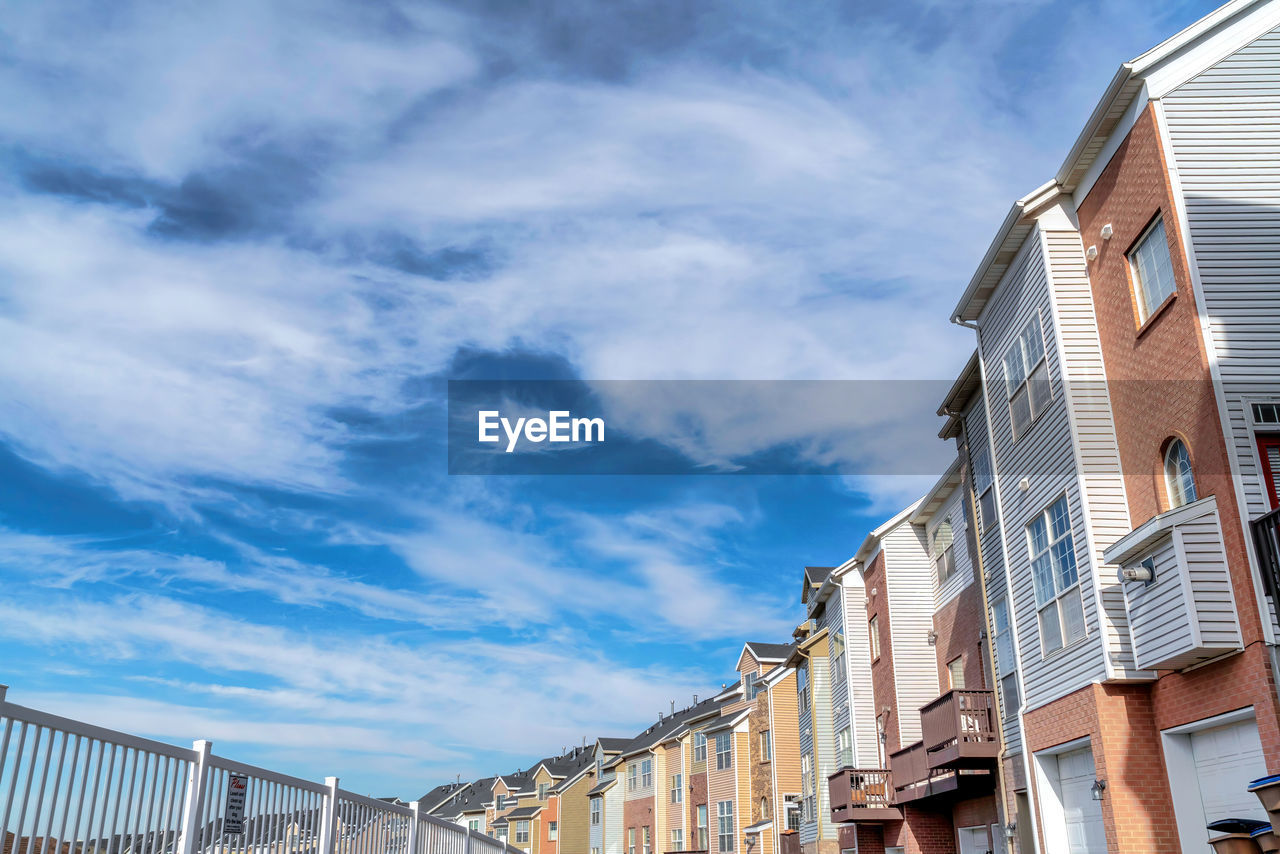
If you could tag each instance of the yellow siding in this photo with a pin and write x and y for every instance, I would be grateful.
(742, 809)
(574, 831)
(659, 814)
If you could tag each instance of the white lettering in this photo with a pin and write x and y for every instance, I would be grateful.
(559, 425)
(512, 435)
(488, 425)
(535, 430)
(587, 424)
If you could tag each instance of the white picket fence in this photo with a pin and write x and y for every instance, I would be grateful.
(68, 787)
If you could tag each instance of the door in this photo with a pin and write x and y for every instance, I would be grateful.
(973, 840)
(1269, 456)
(1082, 814)
(1227, 757)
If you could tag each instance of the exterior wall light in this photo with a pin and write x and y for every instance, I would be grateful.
(1091, 252)
(1098, 788)
(1107, 232)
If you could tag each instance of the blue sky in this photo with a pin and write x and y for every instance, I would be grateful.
(242, 244)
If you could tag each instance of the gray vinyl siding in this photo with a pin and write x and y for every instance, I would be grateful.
(908, 579)
(824, 741)
(989, 543)
(808, 829)
(833, 620)
(595, 836)
(641, 790)
(1187, 613)
(1045, 455)
(1224, 125)
(862, 703)
(952, 510)
(1087, 397)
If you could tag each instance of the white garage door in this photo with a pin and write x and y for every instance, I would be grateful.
(1083, 815)
(1227, 758)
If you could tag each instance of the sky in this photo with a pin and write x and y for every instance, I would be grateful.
(243, 246)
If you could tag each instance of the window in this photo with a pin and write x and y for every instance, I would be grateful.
(542, 791)
(677, 839)
(502, 831)
(944, 557)
(984, 486)
(646, 774)
(699, 747)
(677, 788)
(764, 809)
(595, 850)
(631, 840)
(766, 746)
(633, 776)
(1053, 573)
(595, 810)
(793, 817)
(1026, 377)
(844, 747)
(648, 840)
(806, 786)
(955, 673)
(522, 832)
(724, 825)
(873, 629)
(837, 653)
(474, 824)
(750, 685)
(1005, 663)
(1179, 483)
(1152, 270)
(702, 827)
(553, 829)
(724, 751)
(1266, 413)
(500, 803)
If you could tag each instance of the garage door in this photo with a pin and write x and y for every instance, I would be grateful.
(1083, 815)
(1227, 758)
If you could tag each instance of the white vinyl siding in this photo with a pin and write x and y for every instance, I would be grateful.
(1026, 377)
(948, 525)
(858, 674)
(909, 585)
(1224, 125)
(824, 742)
(1046, 459)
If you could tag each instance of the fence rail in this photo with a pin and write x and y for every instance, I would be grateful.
(68, 787)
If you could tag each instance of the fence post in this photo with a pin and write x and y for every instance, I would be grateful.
(194, 804)
(413, 828)
(328, 830)
(466, 845)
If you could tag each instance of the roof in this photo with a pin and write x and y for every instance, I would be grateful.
(938, 493)
(961, 393)
(439, 795)
(611, 745)
(669, 726)
(601, 787)
(470, 798)
(524, 812)
(813, 577)
(769, 652)
(753, 829)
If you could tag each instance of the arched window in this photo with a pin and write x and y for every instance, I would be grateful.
(1178, 481)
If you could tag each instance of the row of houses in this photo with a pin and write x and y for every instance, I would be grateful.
(1070, 643)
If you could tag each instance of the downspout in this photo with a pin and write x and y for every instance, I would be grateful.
(987, 653)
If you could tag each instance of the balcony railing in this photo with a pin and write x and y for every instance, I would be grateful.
(1266, 537)
(959, 729)
(862, 794)
(908, 767)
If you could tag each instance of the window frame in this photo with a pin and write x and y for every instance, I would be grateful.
(1185, 478)
(553, 830)
(631, 840)
(724, 819)
(677, 788)
(1029, 369)
(523, 829)
(766, 745)
(646, 774)
(724, 757)
(677, 839)
(646, 839)
(597, 809)
(958, 661)
(1060, 594)
(701, 817)
(543, 788)
(699, 746)
(948, 555)
(1147, 308)
(873, 634)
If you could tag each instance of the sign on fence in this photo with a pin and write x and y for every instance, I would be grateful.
(233, 816)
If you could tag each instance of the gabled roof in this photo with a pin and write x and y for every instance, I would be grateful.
(729, 721)
(601, 787)
(967, 386)
(524, 812)
(470, 798)
(813, 578)
(769, 652)
(941, 490)
(873, 539)
(439, 795)
(612, 745)
(669, 726)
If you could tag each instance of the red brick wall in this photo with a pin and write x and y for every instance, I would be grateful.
(1132, 190)
(638, 814)
(958, 624)
(695, 798)
(882, 686)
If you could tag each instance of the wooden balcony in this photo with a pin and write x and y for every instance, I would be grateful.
(914, 780)
(908, 769)
(960, 730)
(862, 794)
(1266, 537)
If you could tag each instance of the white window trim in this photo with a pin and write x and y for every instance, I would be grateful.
(1011, 393)
(1145, 313)
(1057, 598)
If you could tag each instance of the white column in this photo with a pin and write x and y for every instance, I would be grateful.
(329, 825)
(196, 794)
